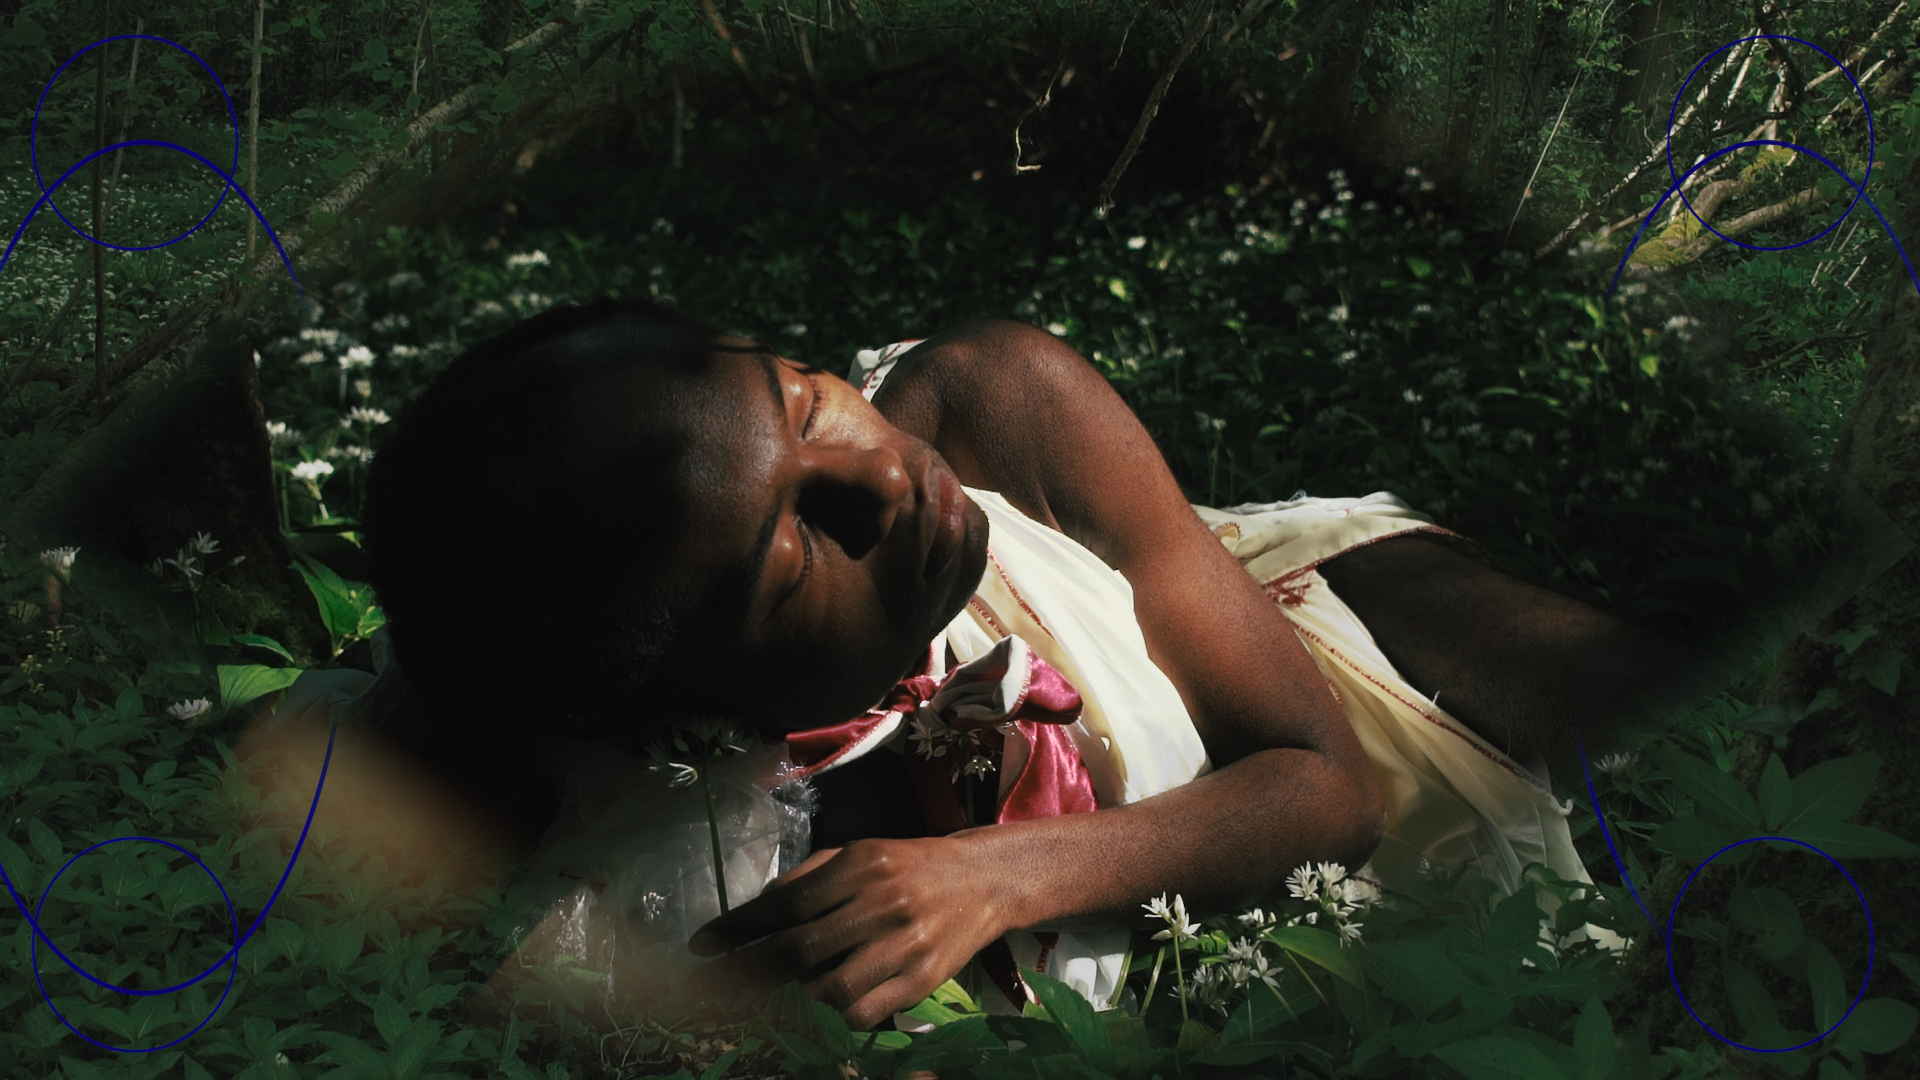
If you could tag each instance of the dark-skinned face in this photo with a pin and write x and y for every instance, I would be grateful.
(859, 571)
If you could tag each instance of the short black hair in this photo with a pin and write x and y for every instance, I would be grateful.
(509, 556)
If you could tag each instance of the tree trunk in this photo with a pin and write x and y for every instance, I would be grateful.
(1644, 63)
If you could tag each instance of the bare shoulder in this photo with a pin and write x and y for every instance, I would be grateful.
(1012, 404)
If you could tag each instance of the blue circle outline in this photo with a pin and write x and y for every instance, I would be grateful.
(1864, 980)
(33, 137)
(1859, 191)
(233, 968)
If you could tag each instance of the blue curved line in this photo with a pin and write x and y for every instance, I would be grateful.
(1593, 800)
(1674, 112)
(33, 134)
(47, 197)
(1862, 192)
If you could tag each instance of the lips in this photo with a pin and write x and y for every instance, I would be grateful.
(943, 518)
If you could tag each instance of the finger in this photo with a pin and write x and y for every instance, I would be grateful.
(795, 897)
(899, 990)
(798, 951)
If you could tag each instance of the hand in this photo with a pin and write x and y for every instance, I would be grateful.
(882, 923)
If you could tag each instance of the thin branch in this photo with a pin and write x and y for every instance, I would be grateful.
(1041, 102)
(1527, 192)
(1197, 23)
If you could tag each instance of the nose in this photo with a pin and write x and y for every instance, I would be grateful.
(855, 494)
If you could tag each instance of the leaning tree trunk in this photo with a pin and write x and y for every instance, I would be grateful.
(1878, 456)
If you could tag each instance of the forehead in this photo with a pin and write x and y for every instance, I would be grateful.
(711, 434)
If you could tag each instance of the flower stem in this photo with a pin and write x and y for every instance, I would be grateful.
(1153, 981)
(1180, 978)
(713, 831)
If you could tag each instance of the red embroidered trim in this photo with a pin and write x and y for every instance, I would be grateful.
(1017, 598)
(1047, 939)
(986, 613)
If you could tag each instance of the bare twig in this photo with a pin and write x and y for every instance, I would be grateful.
(1197, 21)
(733, 47)
(1041, 102)
(1527, 192)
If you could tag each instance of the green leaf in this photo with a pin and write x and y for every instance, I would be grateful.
(1878, 1026)
(1849, 640)
(158, 771)
(1776, 793)
(954, 996)
(932, 1012)
(1514, 929)
(1828, 985)
(1831, 1068)
(1651, 365)
(1754, 1006)
(1694, 839)
(375, 50)
(1716, 794)
(1498, 1058)
(505, 101)
(1075, 1017)
(1593, 1041)
(261, 641)
(1769, 913)
(1843, 841)
(1881, 669)
(391, 1018)
(1194, 1035)
(1320, 947)
(1832, 790)
(1908, 964)
(1421, 268)
(241, 683)
(45, 844)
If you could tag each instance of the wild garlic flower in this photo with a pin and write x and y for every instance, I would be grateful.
(1157, 907)
(1239, 973)
(1179, 929)
(204, 544)
(357, 357)
(322, 336)
(363, 388)
(311, 356)
(1349, 933)
(1256, 918)
(977, 766)
(187, 710)
(1265, 972)
(312, 471)
(186, 564)
(1135, 243)
(278, 434)
(360, 414)
(1208, 986)
(59, 560)
(1057, 329)
(683, 774)
(520, 260)
(1243, 949)
(1616, 765)
(1303, 882)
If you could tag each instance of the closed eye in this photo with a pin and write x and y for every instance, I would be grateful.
(806, 534)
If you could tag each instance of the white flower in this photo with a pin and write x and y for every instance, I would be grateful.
(360, 414)
(1313, 918)
(1616, 765)
(487, 307)
(1423, 309)
(278, 434)
(1264, 972)
(1412, 398)
(795, 329)
(930, 736)
(683, 774)
(1331, 872)
(59, 560)
(1135, 243)
(1243, 949)
(358, 356)
(187, 710)
(1178, 928)
(535, 257)
(1349, 933)
(204, 544)
(403, 350)
(311, 357)
(404, 279)
(158, 568)
(326, 338)
(186, 563)
(281, 1059)
(1157, 907)
(1360, 893)
(1239, 973)
(1256, 917)
(1057, 329)
(1303, 883)
(311, 471)
(363, 387)
(977, 766)
(1338, 314)
(359, 454)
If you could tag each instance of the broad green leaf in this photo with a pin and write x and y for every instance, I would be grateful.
(129, 704)
(341, 602)
(1776, 793)
(1881, 669)
(1832, 790)
(1878, 1026)
(1843, 841)
(1593, 1041)
(264, 642)
(1498, 1058)
(1513, 930)
(1769, 913)
(46, 844)
(375, 50)
(1075, 1017)
(409, 1053)
(241, 683)
(1832, 1068)
(1421, 268)
(1755, 1008)
(932, 1012)
(1828, 985)
(391, 1018)
(1849, 640)
(1716, 794)
(159, 771)
(1195, 1035)
(1694, 839)
(1701, 928)
(954, 996)
(1318, 946)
